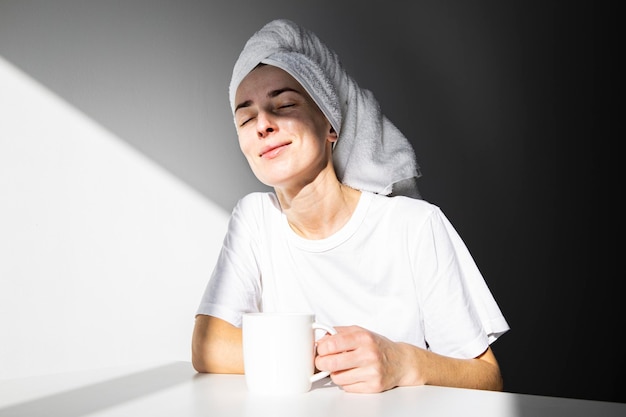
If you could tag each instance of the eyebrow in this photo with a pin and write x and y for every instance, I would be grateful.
(271, 94)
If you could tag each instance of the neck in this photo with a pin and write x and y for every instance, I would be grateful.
(317, 211)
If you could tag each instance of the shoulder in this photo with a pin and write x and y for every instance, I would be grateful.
(257, 202)
(402, 206)
(254, 212)
(405, 214)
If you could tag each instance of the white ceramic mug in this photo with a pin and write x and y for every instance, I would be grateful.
(279, 352)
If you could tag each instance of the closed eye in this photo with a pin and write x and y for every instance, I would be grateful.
(279, 107)
(245, 121)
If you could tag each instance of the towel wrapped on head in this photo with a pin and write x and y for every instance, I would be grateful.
(371, 154)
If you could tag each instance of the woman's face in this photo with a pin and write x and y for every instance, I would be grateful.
(285, 137)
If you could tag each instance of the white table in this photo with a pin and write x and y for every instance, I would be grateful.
(174, 389)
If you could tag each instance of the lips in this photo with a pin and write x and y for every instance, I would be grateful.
(270, 152)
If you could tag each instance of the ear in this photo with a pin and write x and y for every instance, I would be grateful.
(332, 135)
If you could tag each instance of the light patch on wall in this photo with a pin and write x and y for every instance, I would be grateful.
(103, 255)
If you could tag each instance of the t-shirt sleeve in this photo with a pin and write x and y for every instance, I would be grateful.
(234, 286)
(492, 319)
(461, 317)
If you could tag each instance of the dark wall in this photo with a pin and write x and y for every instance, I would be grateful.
(509, 142)
(498, 99)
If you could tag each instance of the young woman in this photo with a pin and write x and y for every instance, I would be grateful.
(388, 271)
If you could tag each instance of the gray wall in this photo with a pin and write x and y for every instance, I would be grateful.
(497, 98)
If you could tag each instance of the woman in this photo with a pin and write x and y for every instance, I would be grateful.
(409, 304)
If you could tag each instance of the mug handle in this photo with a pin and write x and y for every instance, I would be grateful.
(321, 374)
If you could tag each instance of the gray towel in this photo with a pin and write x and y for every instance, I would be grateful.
(371, 154)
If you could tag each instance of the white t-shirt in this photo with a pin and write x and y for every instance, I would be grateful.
(397, 268)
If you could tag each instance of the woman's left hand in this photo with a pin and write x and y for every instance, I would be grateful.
(360, 360)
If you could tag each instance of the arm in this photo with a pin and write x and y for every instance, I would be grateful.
(362, 361)
(216, 346)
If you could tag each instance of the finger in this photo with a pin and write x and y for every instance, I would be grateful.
(339, 362)
(362, 387)
(346, 339)
(360, 380)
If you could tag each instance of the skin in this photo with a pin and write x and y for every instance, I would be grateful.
(288, 143)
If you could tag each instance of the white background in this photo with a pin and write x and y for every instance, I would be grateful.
(103, 254)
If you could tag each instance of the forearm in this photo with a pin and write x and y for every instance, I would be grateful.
(216, 346)
(428, 368)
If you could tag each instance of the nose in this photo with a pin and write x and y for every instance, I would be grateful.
(265, 125)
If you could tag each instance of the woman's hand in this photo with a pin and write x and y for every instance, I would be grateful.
(360, 360)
